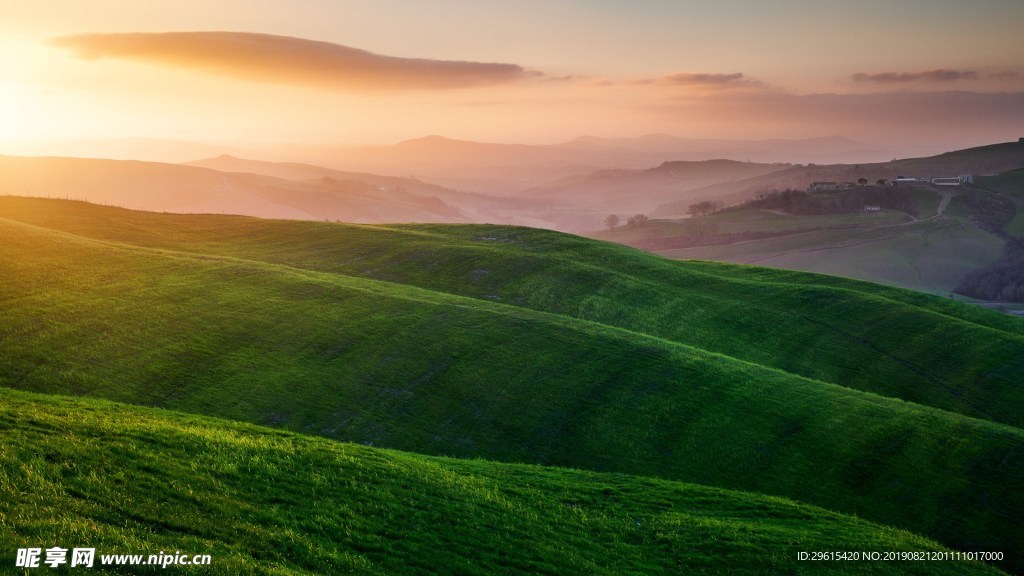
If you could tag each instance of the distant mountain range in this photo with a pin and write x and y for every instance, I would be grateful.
(508, 168)
(246, 187)
(470, 205)
(640, 190)
(493, 168)
(570, 187)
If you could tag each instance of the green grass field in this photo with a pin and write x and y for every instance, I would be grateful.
(928, 256)
(929, 252)
(533, 347)
(750, 220)
(124, 480)
(1011, 185)
(611, 286)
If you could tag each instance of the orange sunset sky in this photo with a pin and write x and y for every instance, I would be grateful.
(925, 73)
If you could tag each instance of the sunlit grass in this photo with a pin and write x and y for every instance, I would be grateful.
(82, 473)
(530, 346)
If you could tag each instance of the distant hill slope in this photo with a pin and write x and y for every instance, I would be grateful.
(930, 256)
(640, 191)
(177, 188)
(127, 480)
(491, 168)
(665, 147)
(607, 359)
(924, 238)
(479, 206)
(991, 159)
(506, 169)
(980, 160)
(945, 239)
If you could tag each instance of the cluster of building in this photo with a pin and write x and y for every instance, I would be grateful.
(942, 181)
(900, 181)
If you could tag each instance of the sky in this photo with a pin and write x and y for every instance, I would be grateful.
(260, 72)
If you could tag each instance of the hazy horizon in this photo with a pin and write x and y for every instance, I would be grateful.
(920, 76)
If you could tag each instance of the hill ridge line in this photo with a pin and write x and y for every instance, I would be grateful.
(423, 231)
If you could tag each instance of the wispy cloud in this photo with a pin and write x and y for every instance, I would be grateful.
(289, 60)
(1005, 75)
(937, 75)
(702, 81)
(905, 117)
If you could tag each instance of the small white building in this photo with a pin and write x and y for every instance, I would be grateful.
(872, 208)
(954, 181)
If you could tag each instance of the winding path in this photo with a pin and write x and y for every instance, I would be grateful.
(947, 195)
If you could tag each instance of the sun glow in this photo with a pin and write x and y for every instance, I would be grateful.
(34, 117)
(15, 120)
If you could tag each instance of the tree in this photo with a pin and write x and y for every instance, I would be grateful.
(638, 221)
(862, 181)
(704, 208)
(611, 221)
(880, 182)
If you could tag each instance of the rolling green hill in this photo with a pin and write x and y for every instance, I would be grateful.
(966, 358)
(1011, 185)
(126, 480)
(530, 346)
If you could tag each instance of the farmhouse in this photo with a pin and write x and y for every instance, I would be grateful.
(819, 186)
(902, 181)
(953, 181)
(872, 208)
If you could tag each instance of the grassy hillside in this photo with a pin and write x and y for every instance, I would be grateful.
(748, 220)
(1011, 185)
(989, 159)
(83, 473)
(926, 256)
(966, 360)
(947, 233)
(608, 359)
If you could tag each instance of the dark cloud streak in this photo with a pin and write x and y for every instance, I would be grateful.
(701, 78)
(289, 60)
(705, 80)
(938, 75)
